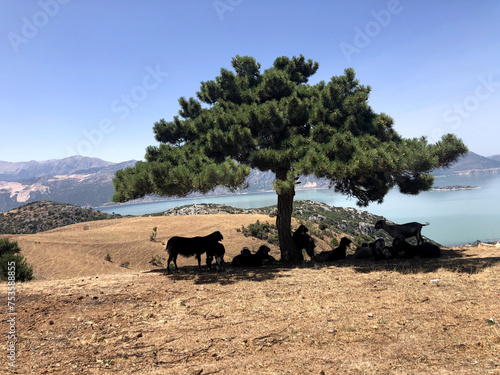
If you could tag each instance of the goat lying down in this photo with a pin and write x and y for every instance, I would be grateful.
(363, 252)
(402, 231)
(424, 250)
(335, 254)
(247, 259)
(189, 246)
(375, 249)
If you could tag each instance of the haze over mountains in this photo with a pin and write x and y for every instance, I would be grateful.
(25, 170)
(87, 181)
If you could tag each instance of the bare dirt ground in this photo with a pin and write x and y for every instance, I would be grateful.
(87, 316)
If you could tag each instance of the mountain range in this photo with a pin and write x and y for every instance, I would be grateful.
(77, 180)
(87, 181)
(472, 163)
(71, 165)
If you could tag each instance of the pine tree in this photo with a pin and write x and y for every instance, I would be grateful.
(276, 121)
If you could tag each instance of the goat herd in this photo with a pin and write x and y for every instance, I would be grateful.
(195, 246)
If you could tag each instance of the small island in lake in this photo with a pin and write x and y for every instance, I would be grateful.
(456, 187)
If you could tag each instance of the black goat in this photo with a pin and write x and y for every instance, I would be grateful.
(363, 252)
(247, 259)
(402, 230)
(375, 249)
(304, 241)
(335, 254)
(189, 246)
(380, 251)
(424, 250)
(218, 252)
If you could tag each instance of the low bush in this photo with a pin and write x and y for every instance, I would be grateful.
(263, 231)
(12, 263)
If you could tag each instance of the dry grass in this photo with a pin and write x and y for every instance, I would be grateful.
(351, 317)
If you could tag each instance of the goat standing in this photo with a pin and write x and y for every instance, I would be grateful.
(218, 252)
(403, 230)
(302, 240)
(189, 246)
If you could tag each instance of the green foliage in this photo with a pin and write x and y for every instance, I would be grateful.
(8, 247)
(334, 242)
(263, 231)
(359, 240)
(125, 264)
(22, 270)
(107, 258)
(322, 226)
(12, 263)
(276, 121)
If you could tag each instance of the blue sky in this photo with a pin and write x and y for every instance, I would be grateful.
(92, 78)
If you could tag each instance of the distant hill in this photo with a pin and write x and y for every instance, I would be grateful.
(494, 157)
(470, 164)
(42, 216)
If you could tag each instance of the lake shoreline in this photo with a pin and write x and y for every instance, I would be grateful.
(456, 216)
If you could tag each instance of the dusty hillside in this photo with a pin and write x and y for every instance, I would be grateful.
(388, 317)
(349, 317)
(80, 249)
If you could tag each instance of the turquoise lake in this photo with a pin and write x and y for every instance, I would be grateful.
(455, 217)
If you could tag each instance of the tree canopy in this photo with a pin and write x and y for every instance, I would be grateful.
(276, 121)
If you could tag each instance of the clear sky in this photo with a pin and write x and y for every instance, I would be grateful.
(92, 77)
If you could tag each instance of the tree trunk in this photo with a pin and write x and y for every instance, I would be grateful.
(289, 253)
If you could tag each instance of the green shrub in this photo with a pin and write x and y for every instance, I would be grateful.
(263, 231)
(8, 247)
(15, 265)
(322, 226)
(107, 258)
(334, 242)
(13, 262)
(362, 238)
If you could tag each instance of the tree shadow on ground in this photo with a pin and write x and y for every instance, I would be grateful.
(230, 275)
(451, 260)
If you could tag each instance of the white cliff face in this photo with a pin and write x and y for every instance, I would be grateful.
(76, 180)
(22, 192)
